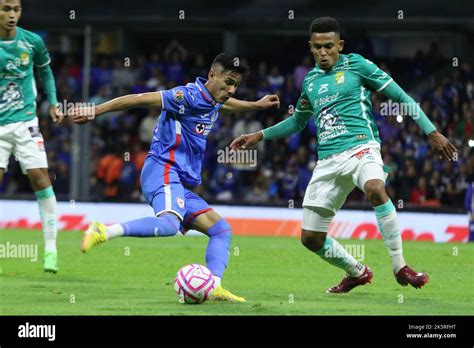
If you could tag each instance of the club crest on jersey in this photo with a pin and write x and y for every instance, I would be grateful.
(179, 95)
(203, 129)
(180, 202)
(24, 58)
(340, 77)
(200, 128)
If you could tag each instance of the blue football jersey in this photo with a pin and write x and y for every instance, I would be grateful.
(179, 136)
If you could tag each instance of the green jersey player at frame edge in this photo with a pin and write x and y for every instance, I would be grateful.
(20, 52)
(337, 92)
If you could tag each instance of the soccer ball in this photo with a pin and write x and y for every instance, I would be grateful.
(193, 284)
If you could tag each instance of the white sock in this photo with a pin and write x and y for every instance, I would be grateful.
(388, 226)
(217, 282)
(47, 209)
(114, 231)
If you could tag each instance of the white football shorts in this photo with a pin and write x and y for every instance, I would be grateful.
(24, 141)
(334, 178)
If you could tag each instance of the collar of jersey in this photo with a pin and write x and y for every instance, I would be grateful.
(335, 65)
(204, 92)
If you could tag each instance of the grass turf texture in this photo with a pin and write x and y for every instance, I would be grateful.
(277, 276)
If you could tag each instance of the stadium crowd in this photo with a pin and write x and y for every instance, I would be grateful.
(120, 141)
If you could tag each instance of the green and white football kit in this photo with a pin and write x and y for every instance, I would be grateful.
(348, 148)
(348, 138)
(19, 127)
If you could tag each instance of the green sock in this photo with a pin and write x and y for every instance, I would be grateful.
(333, 253)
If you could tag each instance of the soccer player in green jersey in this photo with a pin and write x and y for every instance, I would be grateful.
(20, 136)
(337, 92)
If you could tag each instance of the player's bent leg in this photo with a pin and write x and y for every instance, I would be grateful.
(217, 252)
(39, 179)
(313, 240)
(386, 216)
(314, 237)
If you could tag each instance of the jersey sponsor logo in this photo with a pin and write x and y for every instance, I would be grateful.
(37, 137)
(11, 65)
(344, 66)
(180, 202)
(323, 88)
(304, 103)
(11, 97)
(362, 153)
(213, 116)
(24, 45)
(179, 95)
(383, 76)
(330, 125)
(35, 132)
(40, 144)
(13, 68)
(340, 77)
(327, 99)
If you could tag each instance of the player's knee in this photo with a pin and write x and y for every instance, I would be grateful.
(313, 241)
(167, 224)
(172, 218)
(221, 229)
(375, 192)
(39, 180)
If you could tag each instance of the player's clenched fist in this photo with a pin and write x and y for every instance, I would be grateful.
(82, 114)
(246, 140)
(268, 101)
(56, 114)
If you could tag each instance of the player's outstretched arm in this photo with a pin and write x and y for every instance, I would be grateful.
(151, 100)
(291, 125)
(438, 141)
(236, 105)
(246, 141)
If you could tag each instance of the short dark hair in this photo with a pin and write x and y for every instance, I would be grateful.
(324, 25)
(232, 63)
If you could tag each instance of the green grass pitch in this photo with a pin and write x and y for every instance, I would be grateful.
(277, 276)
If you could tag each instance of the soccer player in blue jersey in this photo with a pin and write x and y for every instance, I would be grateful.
(173, 165)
